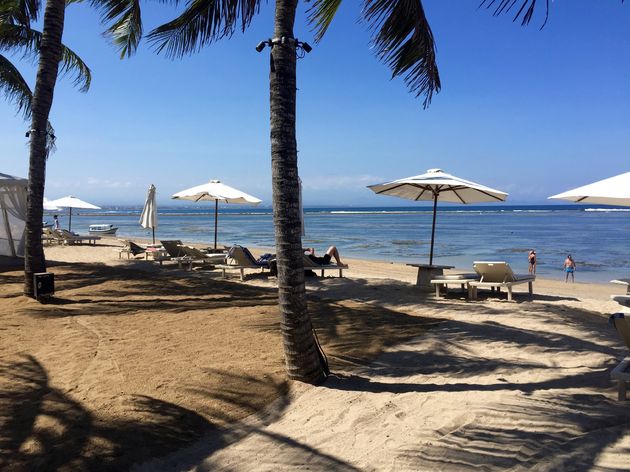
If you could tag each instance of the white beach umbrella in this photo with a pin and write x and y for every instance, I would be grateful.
(216, 191)
(71, 202)
(435, 186)
(612, 191)
(48, 206)
(148, 219)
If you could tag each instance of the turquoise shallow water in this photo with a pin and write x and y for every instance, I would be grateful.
(598, 238)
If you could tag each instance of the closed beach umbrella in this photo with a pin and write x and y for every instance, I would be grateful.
(71, 202)
(436, 186)
(148, 219)
(216, 191)
(612, 191)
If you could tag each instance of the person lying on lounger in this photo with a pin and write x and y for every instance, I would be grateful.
(326, 258)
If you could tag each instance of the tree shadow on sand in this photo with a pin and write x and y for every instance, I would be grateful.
(43, 429)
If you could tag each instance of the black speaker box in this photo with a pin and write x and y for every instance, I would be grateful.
(44, 283)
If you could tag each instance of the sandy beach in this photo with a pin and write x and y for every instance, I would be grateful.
(156, 368)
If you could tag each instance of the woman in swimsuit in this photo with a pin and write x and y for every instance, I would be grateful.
(532, 261)
(569, 268)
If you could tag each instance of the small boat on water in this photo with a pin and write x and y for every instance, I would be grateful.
(103, 229)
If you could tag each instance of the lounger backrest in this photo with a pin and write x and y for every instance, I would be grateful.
(241, 256)
(622, 324)
(497, 272)
(65, 234)
(173, 248)
(135, 249)
(192, 252)
(308, 262)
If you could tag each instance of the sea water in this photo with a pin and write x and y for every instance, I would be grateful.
(597, 237)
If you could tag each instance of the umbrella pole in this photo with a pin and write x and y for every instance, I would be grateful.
(435, 199)
(153, 235)
(70, 220)
(216, 218)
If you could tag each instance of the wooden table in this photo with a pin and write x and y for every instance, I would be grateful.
(428, 272)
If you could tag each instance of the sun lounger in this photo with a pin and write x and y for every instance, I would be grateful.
(625, 282)
(623, 300)
(453, 279)
(498, 275)
(173, 248)
(621, 373)
(131, 249)
(309, 264)
(240, 258)
(193, 255)
(66, 237)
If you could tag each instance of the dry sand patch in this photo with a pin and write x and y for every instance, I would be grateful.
(127, 365)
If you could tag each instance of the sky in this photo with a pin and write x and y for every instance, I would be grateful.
(528, 111)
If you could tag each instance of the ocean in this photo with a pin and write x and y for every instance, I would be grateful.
(597, 237)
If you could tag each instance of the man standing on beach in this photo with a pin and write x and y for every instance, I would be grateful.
(569, 268)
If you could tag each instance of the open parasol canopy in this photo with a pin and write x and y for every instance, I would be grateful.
(435, 186)
(216, 191)
(71, 202)
(612, 191)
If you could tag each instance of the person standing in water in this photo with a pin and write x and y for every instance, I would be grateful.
(532, 261)
(569, 268)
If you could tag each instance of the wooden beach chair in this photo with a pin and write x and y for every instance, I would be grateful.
(309, 264)
(131, 249)
(498, 275)
(443, 281)
(71, 238)
(193, 255)
(240, 258)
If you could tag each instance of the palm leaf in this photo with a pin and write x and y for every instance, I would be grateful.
(321, 14)
(14, 87)
(27, 40)
(21, 12)
(403, 40)
(525, 12)
(201, 23)
(124, 17)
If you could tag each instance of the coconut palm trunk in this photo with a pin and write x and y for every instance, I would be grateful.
(50, 55)
(301, 352)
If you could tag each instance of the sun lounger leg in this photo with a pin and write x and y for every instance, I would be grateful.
(531, 288)
(472, 292)
(242, 274)
(437, 290)
(509, 290)
(223, 272)
(340, 273)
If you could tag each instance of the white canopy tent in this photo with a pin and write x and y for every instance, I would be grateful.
(12, 215)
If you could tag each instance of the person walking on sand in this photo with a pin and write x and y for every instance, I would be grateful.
(569, 268)
(532, 261)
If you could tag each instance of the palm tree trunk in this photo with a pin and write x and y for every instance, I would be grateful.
(49, 57)
(300, 350)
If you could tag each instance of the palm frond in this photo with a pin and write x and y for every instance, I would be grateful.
(16, 37)
(21, 12)
(201, 23)
(321, 15)
(526, 9)
(14, 87)
(403, 40)
(125, 23)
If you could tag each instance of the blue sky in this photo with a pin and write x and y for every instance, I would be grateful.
(526, 111)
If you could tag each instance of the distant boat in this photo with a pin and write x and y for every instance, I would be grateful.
(103, 229)
(46, 225)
